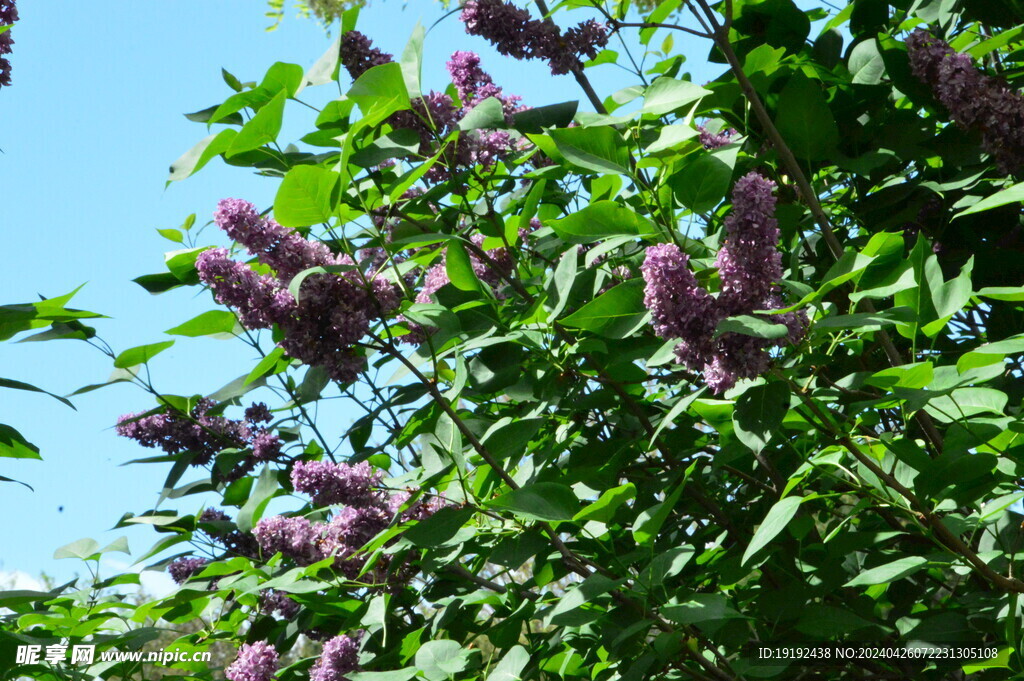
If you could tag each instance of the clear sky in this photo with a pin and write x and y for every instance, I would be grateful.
(88, 129)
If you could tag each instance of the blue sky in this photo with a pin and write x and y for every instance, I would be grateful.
(88, 129)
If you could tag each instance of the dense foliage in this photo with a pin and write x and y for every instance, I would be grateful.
(643, 380)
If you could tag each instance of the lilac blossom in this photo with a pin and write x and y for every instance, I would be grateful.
(294, 537)
(514, 33)
(336, 483)
(198, 432)
(475, 85)
(340, 656)
(749, 266)
(258, 413)
(358, 54)
(183, 568)
(334, 310)
(711, 140)
(272, 601)
(260, 300)
(750, 263)
(975, 101)
(680, 307)
(255, 662)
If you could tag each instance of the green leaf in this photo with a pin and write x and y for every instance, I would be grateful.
(600, 220)
(401, 143)
(18, 385)
(509, 437)
(263, 128)
(214, 322)
(1004, 197)
(615, 313)
(460, 268)
(14, 446)
(567, 610)
(650, 520)
(140, 354)
(607, 504)
(702, 184)
(282, 78)
(305, 196)
(382, 90)
(964, 403)
(600, 149)
(439, 527)
(700, 608)
(266, 487)
(511, 666)
(751, 326)
(325, 68)
(488, 114)
(412, 59)
(890, 572)
(540, 501)
(537, 119)
(81, 548)
(404, 674)
(671, 137)
(759, 412)
(804, 119)
(441, 660)
(665, 95)
(198, 156)
(562, 280)
(866, 63)
(778, 517)
(268, 364)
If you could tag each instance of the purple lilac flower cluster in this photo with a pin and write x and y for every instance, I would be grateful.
(255, 662)
(514, 33)
(340, 656)
(749, 265)
(334, 311)
(358, 55)
(235, 542)
(975, 101)
(328, 483)
(8, 15)
(183, 568)
(367, 511)
(712, 140)
(272, 601)
(203, 434)
(436, 115)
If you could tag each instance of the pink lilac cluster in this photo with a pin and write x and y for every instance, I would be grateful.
(749, 265)
(255, 662)
(712, 140)
(514, 33)
(334, 311)
(975, 101)
(368, 510)
(235, 542)
(272, 601)
(8, 15)
(436, 115)
(358, 55)
(340, 657)
(330, 483)
(474, 85)
(183, 568)
(201, 433)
